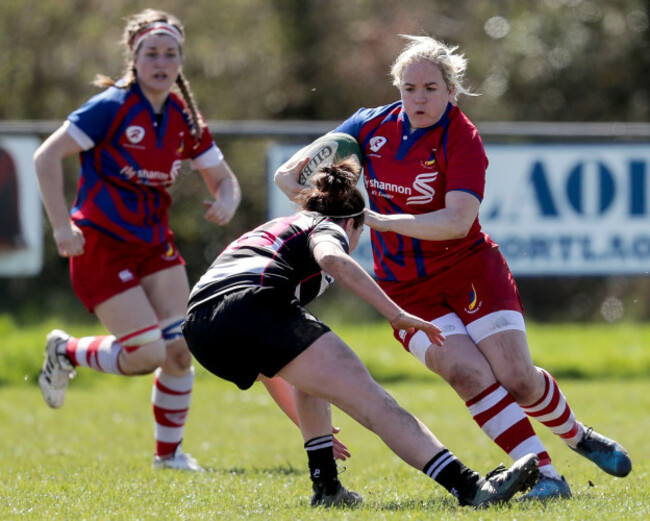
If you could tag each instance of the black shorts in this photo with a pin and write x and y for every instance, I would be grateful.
(256, 330)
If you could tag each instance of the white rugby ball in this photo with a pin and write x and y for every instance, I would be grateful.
(327, 149)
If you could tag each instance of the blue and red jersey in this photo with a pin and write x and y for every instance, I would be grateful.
(409, 171)
(130, 157)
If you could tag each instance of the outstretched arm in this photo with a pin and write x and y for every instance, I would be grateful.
(331, 258)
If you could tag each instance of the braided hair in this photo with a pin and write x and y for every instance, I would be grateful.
(136, 25)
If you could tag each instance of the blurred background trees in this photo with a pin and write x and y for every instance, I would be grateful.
(546, 60)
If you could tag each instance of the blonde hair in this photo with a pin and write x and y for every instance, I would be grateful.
(134, 26)
(452, 65)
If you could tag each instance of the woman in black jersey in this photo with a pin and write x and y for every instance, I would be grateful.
(246, 318)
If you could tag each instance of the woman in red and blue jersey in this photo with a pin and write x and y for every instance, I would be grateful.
(124, 265)
(424, 166)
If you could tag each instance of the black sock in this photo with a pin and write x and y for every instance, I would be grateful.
(447, 470)
(322, 467)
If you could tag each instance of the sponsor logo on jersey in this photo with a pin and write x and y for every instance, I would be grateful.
(152, 177)
(422, 186)
(135, 134)
(387, 187)
(377, 142)
(176, 168)
(474, 303)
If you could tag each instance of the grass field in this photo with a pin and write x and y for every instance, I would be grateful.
(92, 458)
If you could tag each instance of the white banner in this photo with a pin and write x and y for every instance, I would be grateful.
(574, 209)
(21, 232)
(554, 209)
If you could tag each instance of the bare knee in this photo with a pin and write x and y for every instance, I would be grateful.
(526, 387)
(144, 360)
(468, 381)
(178, 357)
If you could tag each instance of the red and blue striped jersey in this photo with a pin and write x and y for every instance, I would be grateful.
(130, 157)
(410, 171)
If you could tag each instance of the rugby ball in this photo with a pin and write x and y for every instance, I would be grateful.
(327, 149)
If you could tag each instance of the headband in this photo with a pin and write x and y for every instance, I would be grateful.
(345, 216)
(157, 28)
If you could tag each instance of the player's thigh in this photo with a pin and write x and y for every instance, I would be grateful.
(460, 362)
(126, 312)
(167, 291)
(329, 369)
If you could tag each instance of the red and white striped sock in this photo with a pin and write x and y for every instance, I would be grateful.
(500, 417)
(100, 353)
(171, 398)
(553, 411)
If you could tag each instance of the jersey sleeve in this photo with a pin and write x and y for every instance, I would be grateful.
(328, 231)
(466, 161)
(90, 123)
(354, 124)
(213, 156)
(205, 146)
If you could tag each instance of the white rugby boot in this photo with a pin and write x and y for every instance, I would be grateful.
(57, 370)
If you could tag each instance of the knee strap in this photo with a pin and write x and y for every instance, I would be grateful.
(134, 340)
(171, 329)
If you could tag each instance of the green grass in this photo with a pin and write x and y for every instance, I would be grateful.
(92, 458)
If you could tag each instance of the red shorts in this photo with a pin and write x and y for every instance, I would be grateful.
(476, 286)
(109, 267)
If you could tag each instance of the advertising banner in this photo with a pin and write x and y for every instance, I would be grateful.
(21, 233)
(574, 209)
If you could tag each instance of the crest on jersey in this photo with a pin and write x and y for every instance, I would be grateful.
(179, 150)
(431, 162)
(135, 134)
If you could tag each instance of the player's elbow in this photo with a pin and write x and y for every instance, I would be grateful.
(459, 229)
(335, 263)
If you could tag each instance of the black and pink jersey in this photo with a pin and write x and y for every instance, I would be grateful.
(130, 157)
(409, 171)
(277, 254)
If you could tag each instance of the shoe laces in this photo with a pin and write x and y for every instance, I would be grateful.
(496, 471)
